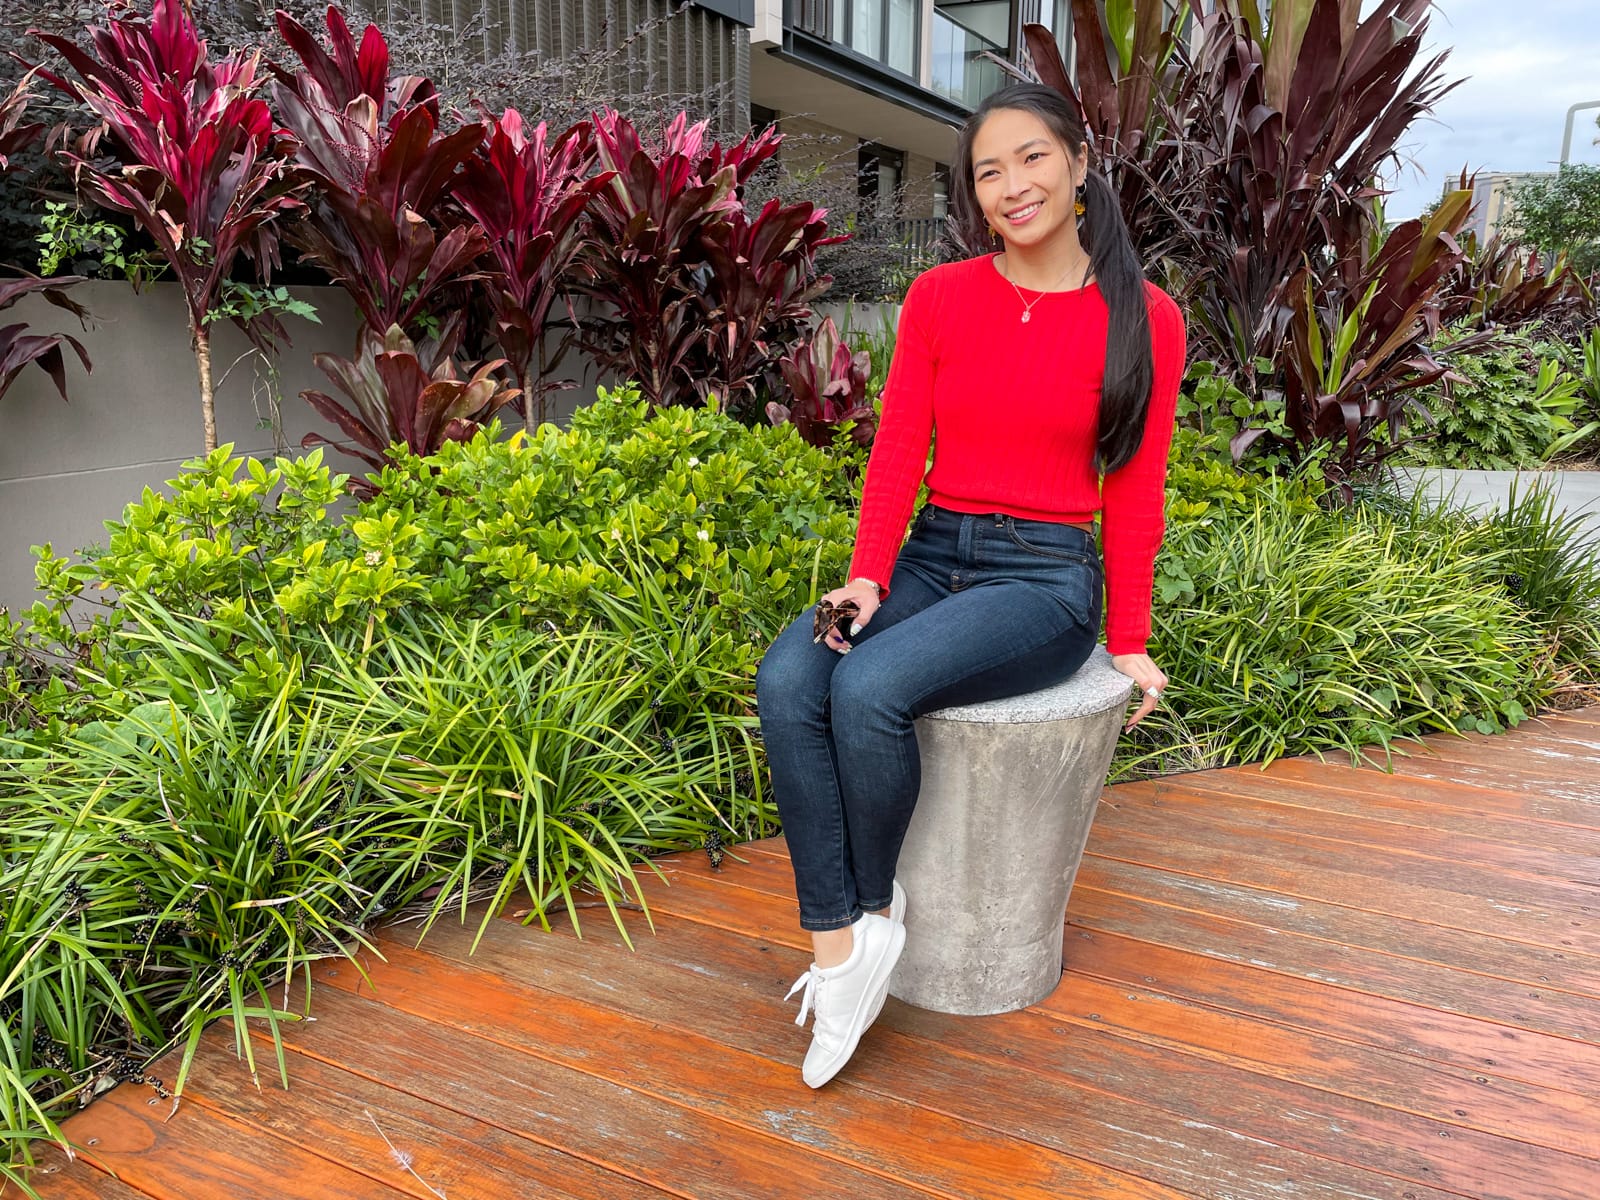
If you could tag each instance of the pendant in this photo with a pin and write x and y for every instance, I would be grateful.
(1025, 316)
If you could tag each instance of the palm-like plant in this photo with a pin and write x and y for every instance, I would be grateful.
(398, 392)
(1245, 160)
(202, 168)
(529, 195)
(18, 348)
(827, 386)
(380, 170)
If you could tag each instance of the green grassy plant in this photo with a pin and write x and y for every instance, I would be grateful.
(1288, 627)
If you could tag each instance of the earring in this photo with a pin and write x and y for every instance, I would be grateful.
(1078, 206)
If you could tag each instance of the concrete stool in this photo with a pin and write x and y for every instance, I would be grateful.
(1009, 789)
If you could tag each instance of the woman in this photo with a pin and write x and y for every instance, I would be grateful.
(1033, 372)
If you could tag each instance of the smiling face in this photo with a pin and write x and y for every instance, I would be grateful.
(1025, 179)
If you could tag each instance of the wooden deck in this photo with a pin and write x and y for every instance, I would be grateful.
(1312, 981)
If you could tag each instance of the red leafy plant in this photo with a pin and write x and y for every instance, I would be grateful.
(400, 392)
(529, 195)
(763, 280)
(381, 174)
(696, 295)
(827, 386)
(1244, 159)
(1502, 285)
(201, 165)
(18, 347)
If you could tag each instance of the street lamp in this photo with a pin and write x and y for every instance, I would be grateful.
(1566, 136)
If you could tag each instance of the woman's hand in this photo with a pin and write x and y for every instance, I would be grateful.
(1151, 679)
(865, 593)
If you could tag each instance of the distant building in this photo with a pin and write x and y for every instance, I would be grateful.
(879, 85)
(1491, 200)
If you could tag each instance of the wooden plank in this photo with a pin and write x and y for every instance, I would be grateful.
(619, 1127)
(201, 1155)
(720, 985)
(1253, 829)
(1394, 843)
(1476, 796)
(1412, 1029)
(900, 1141)
(1451, 1095)
(1550, 915)
(1501, 777)
(56, 1177)
(1355, 796)
(1450, 988)
(480, 1154)
(1485, 1102)
(1121, 1101)
(1369, 952)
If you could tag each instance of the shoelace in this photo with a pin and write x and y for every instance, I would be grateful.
(809, 981)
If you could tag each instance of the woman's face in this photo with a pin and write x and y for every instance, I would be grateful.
(1025, 179)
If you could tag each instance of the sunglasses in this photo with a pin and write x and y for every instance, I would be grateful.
(831, 616)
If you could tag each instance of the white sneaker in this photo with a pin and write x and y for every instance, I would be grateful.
(847, 998)
(897, 906)
(897, 914)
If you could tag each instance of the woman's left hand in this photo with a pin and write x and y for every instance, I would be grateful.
(1152, 681)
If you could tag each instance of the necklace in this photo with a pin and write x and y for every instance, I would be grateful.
(1027, 306)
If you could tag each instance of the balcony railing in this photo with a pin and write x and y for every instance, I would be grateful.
(960, 72)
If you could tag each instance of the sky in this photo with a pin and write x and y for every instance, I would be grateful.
(1524, 63)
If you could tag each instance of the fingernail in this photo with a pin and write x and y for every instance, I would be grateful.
(845, 649)
(855, 628)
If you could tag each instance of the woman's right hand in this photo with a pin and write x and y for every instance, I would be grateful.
(865, 595)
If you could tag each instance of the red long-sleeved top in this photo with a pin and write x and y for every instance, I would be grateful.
(1011, 411)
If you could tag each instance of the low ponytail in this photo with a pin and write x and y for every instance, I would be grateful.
(1130, 370)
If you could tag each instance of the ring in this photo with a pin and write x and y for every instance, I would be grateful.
(1153, 693)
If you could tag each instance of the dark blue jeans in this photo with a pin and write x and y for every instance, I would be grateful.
(980, 607)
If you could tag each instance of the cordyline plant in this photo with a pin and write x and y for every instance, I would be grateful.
(763, 280)
(1357, 348)
(1504, 285)
(529, 195)
(827, 386)
(202, 168)
(699, 296)
(380, 173)
(18, 348)
(398, 392)
(1245, 161)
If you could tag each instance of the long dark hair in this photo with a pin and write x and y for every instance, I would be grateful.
(1130, 371)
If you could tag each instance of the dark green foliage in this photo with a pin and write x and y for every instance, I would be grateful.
(1512, 404)
(1561, 214)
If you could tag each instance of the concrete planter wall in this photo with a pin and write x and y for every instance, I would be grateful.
(67, 468)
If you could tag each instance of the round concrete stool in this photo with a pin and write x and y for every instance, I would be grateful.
(1009, 789)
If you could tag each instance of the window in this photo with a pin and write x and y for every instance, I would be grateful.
(883, 30)
(941, 191)
(879, 170)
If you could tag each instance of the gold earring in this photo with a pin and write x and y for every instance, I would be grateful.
(1079, 208)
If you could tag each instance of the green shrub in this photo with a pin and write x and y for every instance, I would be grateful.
(748, 521)
(1289, 627)
(1513, 409)
(215, 824)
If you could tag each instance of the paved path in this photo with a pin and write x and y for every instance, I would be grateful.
(1577, 491)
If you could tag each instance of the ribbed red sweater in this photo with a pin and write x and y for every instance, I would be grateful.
(1011, 411)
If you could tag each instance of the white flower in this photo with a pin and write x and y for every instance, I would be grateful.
(616, 535)
(703, 536)
(694, 462)
(374, 557)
